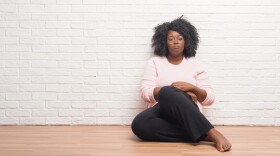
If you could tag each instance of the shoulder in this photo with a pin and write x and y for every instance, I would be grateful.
(156, 60)
(195, 63)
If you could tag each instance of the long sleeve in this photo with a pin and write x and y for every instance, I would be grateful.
(148, 82)
(204, 83)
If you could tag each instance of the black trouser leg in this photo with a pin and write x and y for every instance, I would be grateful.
(179, 106)
(174, 118)
(150, 126)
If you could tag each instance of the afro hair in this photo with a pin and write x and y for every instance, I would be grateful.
(184, 28)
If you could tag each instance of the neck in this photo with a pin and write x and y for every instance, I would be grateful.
(175, 59)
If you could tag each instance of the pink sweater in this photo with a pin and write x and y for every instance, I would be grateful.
(159, 72)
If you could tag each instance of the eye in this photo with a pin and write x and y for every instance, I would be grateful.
(180, 38)
(170, 39)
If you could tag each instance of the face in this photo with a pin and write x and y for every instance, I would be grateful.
(175, 43)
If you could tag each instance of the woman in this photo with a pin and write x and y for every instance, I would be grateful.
(176, 87)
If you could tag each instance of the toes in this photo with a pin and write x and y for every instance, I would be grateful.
(221, 149)
(227, 147)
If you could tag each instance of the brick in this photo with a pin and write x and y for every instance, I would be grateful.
(83, 40)
(109, 89)
(70, 80)
(57, 8)
(58, 24)
(8, 8)
(109, 120)
(69, 2)
(58, 88)
(58, 104)
(18, 96)
(9, 79)
(44, 32)
(18, 32)
(84, 120)
(18, 113)
(96, 80)
(9, 121)
(9, 104)
(70, 113)
(17, 64)
(121, 104)
(72, 65)
(15, 48)
(32, 87)
(94, 2)
(83, 89)
(70, 96)
(9, 24)
(83, 104)
(31, 104)
(125, 112)
(32, 40)
(83, 8)
(32, 121)
(58, 72)
(2, 113)
(43, 17)
(44, 96)
(45, 113)
(9, 40)
(8, 88)
(58, 40)
(84, 72)
(96, 64)
(43, 1)
(95, 96)
(69, 32)
(58, 121)
(124, 80)
(27, 8)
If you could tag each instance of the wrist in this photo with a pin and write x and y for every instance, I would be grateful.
(193, 88)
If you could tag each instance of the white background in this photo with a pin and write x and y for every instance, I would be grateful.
(80, 61)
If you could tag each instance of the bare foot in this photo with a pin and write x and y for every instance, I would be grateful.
(222, 144)
(207, 138)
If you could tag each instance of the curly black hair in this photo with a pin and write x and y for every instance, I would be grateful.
(184, 28)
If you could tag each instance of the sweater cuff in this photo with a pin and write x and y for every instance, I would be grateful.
(209, 99)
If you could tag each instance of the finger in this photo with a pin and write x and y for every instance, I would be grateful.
(194, 99)
(191, 94)
(176, 83)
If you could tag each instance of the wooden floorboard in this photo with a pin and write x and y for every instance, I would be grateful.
(120, 141)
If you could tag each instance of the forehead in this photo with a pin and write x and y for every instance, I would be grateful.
(173, 33)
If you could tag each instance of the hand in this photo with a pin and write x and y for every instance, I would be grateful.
(183, 86)
(194, 97)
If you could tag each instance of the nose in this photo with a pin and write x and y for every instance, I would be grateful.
(176, 41)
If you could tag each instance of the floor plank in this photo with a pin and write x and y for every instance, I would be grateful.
(120, 141)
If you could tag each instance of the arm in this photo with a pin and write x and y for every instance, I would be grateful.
(202, 82)
(201, 94)
(156, 91)
(203, 90)
(148, 83)
(187, 87)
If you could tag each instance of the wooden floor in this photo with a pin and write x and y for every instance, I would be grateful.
(119, 140)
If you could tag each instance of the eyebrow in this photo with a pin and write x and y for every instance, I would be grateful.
(174, 36)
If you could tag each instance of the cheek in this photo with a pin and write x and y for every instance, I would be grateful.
(183, 45)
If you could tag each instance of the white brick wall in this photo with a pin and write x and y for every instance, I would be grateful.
(80, 61)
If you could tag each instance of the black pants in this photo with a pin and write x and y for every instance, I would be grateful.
(176, 118)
